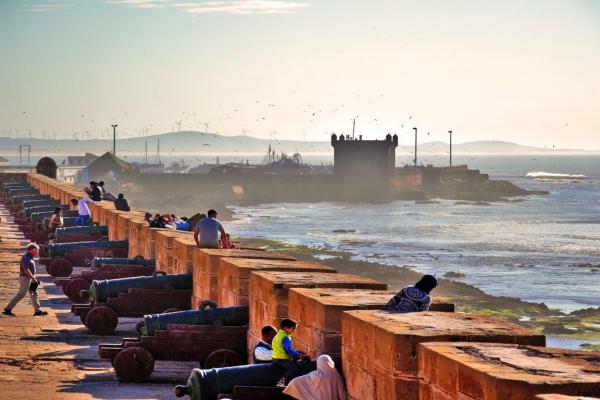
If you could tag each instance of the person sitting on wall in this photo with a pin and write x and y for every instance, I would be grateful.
(84, 212)
(207, 231)
(324, 383)
(263, 351)
(105, 195)
(56, 221)
(284, 353)
(413, 298)
(230, 244)
(94, 191)
(121, 203)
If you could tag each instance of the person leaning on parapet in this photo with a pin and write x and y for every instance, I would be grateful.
(413, 298)
(27, 282)
(208, 230)
(263, 351)
(104, 193)
(84, 212)
(94, 191)
(121, 203)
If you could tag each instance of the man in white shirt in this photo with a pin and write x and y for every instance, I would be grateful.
(84, 212)
(207, 232)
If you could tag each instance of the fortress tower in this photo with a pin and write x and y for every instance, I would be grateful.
(364, 168)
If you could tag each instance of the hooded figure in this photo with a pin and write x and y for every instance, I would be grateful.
(323, 384)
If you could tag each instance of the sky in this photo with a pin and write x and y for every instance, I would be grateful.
(520, 71)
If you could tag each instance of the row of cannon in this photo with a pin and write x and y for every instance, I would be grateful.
(108, 285)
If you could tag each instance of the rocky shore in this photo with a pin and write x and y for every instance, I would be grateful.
(579, 328)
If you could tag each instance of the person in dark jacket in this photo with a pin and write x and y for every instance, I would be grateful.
(263, 351)
(94, 191)
(121, 203)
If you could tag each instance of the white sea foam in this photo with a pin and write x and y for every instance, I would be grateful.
(550, 175)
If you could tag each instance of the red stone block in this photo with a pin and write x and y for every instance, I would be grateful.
(494, 371)
(385, 341)
(206, 267)
(234, 276)
(183, 252)
(270, 290)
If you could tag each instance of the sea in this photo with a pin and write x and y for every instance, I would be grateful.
(543, 248)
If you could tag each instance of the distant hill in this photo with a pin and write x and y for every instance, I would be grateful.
(215, 144)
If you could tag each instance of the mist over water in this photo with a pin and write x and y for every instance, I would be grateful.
(543, 249)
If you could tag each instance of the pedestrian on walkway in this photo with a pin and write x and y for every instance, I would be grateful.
(27, 282)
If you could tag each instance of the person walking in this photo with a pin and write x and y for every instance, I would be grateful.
(208, 230)
(27, 282)
(84, 212)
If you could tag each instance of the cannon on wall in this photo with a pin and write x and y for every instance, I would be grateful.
(132, 297)
(62, 257)
(215, 337)
(208, 384)
(74, 284)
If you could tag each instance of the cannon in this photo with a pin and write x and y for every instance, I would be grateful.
(39, 216)
(81, 233)
(62, 257)
(19, 199)
(27, 211)
(208, 384)
(99, 261)
(209, 338)
(132, 297)
(39, 202)
(227, 316)
(74, 284)
(100, 291)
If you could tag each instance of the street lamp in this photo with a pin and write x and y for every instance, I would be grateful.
(450, 132)
(114, 126)
(415, 129)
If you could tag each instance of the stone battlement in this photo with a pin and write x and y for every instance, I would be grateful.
(385, 355)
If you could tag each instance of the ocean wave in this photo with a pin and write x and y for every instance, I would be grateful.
(553, 176)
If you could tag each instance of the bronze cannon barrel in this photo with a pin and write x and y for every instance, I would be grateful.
(101, 290)
(99, 261)
(96, 230)
(226, 316)
(208, 384)
(59, 249)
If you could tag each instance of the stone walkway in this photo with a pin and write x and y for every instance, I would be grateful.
(55, 357)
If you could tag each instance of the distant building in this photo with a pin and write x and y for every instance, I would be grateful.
(105, 164)
(364, 168)
(80, 161)
(143, 168)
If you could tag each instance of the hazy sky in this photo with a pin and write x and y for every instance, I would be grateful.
(525, 71)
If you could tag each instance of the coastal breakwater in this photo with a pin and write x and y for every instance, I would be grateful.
(433, 355)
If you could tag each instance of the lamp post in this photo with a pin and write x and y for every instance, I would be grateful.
(450, 132)
(415, 129)
(114, 126)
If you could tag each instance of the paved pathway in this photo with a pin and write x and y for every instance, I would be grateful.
(55, 357)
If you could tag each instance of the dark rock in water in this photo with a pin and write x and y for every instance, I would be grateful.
(556, 329)
(453, 274)
(462, 203)
(344, 231)
(426, 202)
(482, 203)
